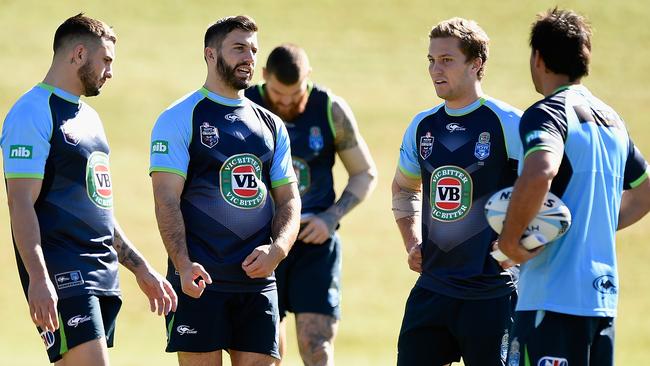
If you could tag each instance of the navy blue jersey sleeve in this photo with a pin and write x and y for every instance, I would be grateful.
(540, 130)
(635, 168)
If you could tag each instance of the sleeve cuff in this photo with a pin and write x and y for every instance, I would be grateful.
(167, 170)
(283, 182)
(408, 173)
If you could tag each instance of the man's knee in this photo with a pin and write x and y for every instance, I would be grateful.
(316, 333)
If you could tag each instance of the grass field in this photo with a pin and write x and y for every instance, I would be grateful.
(371, 52)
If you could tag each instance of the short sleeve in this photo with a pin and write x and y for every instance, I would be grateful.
(170, 142)
(409, 164)
(282, 168)
(539, 130)
(635, 168)
(25, 141)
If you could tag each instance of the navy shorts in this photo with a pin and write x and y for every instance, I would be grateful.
(243, 321)
(81, 319)
(437, 330)
(549, 338)
(309, 279)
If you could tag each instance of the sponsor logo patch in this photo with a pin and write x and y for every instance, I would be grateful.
(241, 182)
(232, 117)
(426, 145)
(184, 329)
(450, 194)
(48, 339)
(98, 180)
(453, 127)
(537, 135)
(160, 147)
(482, 147)
(68, 136)
(68, 279)
(78, 319)
(605, 285)
(20, 152)
(209, 135)
(315, 139)
(301, 168)
(552, 361)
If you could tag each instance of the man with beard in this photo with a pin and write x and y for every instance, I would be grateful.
(66, 238)
(215, 157)
(321, 125)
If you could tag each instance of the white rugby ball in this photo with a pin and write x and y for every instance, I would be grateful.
(551, 222)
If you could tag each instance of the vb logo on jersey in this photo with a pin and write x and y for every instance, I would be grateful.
(98, 180)
(301, 168)
(209, 135)
(451, 193)
(241, 181)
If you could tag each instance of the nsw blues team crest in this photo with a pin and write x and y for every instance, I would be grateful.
(482, 147)
(426, 145)
(209, 135)
(315, 139)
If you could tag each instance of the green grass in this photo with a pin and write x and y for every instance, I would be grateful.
(373, 53)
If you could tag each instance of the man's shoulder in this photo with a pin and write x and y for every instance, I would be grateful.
(182, 106)
(505, 111)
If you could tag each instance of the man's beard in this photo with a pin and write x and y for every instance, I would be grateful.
(227, 74)
(89, 80)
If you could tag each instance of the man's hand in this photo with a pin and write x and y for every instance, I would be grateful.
(516, 252)
(42, 299)
(415, 258)
(161, 295)
(189, 283)
(504, 264)
(316, 229)
(262, 261)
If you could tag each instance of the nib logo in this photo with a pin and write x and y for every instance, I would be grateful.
(20, 152)
(160, 147)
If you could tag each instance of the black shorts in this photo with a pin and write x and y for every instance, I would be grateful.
(549, 338)
(81, 319)
(246, 321)
(309, 279)
(437, 330)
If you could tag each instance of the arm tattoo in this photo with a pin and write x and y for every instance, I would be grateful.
(345, 204)
(126, 254)
(344, 125)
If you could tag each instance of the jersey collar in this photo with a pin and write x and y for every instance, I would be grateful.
(221, 100)
(465, 110)
(60, 93)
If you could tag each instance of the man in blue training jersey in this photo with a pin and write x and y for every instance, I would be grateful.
(57, 173)
(578, 147)
(452, 159)
(215, 158)
(321, 126)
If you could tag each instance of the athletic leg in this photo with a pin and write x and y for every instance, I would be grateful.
(91, 353)
(199, 358)
(240, 358)
(316, 333)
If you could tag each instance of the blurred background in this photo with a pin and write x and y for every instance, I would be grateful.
(372, 53)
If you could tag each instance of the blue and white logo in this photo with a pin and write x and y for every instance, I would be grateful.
(482, 147)
(315, 139)
(552, 361)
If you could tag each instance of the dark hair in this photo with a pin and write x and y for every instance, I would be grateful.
(82, 27)
(563, 39)
(288, 63)
(474, 42)
(216, 32)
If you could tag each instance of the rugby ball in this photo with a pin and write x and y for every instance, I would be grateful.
(552, 221)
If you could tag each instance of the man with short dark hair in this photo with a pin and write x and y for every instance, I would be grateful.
(577, 147)
(452, 159)
(215, 158)
(57, 173)
(321, 125)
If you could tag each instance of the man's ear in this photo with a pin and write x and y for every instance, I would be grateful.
(210, 54)
(79, 54)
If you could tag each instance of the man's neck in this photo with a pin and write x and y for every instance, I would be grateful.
(62, 79)
(219, 87)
